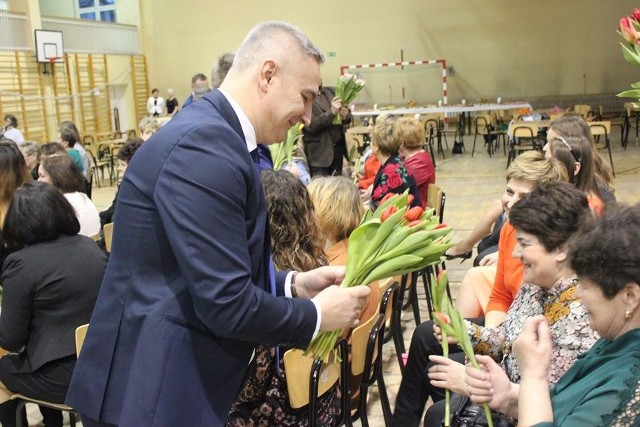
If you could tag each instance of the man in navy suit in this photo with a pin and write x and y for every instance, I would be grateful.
(189, 291)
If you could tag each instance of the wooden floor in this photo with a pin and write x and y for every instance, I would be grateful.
(471, 184)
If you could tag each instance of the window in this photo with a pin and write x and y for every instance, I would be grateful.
(97, 10)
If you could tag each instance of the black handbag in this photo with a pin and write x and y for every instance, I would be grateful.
(465, 413)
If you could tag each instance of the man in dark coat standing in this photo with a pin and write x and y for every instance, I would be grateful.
(189, 290)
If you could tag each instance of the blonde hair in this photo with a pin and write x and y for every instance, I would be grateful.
(531, 166)
(383, 136)
(409, 132)
(338, 206)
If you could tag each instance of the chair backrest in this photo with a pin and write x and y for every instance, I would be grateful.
(108, 236)
(523, 130)
(600, 128)
(482, 122)
(359, 340)
(389, 293)
(436, 199)
(81, 333)
(299, 368)
(582, 109)
(555, 116)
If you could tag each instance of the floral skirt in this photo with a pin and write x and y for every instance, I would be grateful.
(264, 398)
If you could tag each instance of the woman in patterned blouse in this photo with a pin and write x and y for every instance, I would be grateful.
(392, 177)
(544, 221)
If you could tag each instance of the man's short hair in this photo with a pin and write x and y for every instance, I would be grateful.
(198, 76)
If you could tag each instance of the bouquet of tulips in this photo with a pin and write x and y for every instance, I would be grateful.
(282, 152)
(347, 89)
(391, 241)
(630, 32)
(451, 324)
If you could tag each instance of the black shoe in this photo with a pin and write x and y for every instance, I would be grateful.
(464, 256)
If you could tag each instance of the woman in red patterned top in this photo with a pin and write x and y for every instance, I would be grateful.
(418, 162)
(392, 176)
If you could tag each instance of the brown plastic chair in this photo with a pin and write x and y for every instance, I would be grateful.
(81, 333)
(108, 236)
(310, 378)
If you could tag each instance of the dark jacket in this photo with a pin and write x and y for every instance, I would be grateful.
(49, 289)
(186, 294)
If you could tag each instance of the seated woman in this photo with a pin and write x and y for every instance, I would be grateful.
(526, 172)
(544, 221)
(392, 176)
(602, 387)
(31, 152)
(418, 162)
(576, 125)
(295, 245)
(60, 171)
(13, 173)
(45, 297)
(339, 210)
(124, 157)
(576, 154)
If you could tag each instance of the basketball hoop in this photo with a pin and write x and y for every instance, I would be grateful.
(52, 61)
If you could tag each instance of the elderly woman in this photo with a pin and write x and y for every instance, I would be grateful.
(392, 177)
(544, 221)
(602, 387)
(418, 162)
(60, 171)
(31, 152)
(45, 297)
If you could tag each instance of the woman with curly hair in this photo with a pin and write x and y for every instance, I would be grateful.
(295, 245)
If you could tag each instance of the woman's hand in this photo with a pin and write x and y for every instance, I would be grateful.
(533, 348)
(491, 259)
(490, 384)
(438, 334)
(445, 373)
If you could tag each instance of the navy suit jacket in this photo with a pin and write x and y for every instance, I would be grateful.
(186, 293)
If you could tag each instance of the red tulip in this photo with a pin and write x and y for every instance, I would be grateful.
(387, 197)
(636, 15)
(413, 213)
(628, 31)
(410, 199)
(414, 223)
(441, 225)
(442, 318)
(388, 212)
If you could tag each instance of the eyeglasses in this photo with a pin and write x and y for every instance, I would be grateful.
(566, 144)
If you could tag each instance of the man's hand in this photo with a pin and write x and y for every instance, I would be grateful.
(447, 374)
(341, 307)
(344, 112)
(336, 103)
(310, 283)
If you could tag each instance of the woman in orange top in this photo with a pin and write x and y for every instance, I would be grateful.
(338, 212)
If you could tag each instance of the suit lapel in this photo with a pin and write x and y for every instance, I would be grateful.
(220, 103)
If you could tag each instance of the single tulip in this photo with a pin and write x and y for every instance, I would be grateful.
(414, 223)
(388, 212)
(441, 225)
(636, 15)
(410, 200)
(413, 213)
(628, 31)
(387, 197)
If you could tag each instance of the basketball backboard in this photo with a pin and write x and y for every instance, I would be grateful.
(49, 47)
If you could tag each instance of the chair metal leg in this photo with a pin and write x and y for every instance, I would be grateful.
(606, 140)
(384, 399)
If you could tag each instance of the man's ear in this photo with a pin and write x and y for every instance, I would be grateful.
(267, 72)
